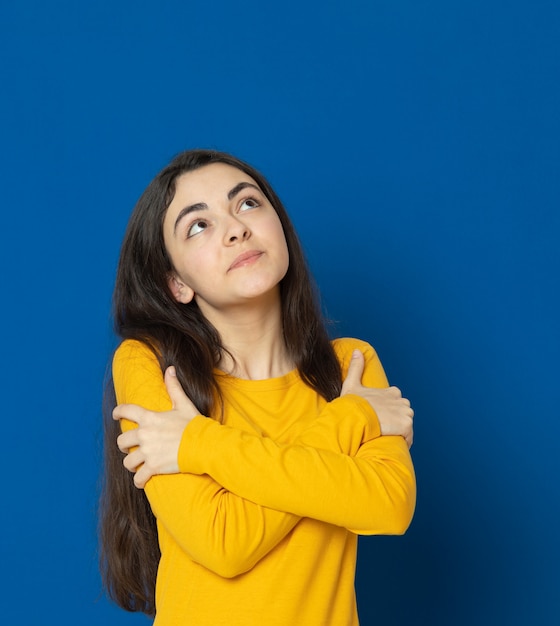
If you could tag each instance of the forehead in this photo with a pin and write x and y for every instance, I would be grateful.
(213, 180)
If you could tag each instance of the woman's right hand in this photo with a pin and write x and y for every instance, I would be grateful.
(393, 411)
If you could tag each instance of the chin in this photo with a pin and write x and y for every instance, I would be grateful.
(261, 290)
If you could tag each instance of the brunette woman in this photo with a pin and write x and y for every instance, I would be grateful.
(255, 448)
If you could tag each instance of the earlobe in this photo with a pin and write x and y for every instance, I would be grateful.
(181, 292)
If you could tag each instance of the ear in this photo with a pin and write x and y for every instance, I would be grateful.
(181, 292)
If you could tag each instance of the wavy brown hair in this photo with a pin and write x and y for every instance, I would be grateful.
(145, 310)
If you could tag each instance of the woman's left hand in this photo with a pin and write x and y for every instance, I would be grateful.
(153, 447)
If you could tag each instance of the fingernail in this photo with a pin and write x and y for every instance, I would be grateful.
(355, 354)
(172, 371)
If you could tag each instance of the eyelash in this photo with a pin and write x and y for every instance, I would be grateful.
(195, 223)
(205, 222)
(251, 199)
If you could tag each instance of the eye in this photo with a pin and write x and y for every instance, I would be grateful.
(249, 203)
(196, 227)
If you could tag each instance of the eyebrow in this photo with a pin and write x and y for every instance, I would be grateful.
(239, 187)
(199, 206)
(202, 206)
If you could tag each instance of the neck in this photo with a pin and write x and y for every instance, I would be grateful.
(253, 336)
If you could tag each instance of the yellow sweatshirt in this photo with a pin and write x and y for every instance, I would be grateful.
(259, 528)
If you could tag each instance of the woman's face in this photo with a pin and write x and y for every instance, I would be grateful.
(225, 240)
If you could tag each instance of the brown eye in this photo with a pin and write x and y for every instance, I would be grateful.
(249, 203)
(196, 227)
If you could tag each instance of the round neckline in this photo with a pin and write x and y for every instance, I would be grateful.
(279, 382)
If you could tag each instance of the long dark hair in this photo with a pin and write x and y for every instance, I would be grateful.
(178, 334)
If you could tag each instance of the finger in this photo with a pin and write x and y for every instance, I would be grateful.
(395, 392)
(355, 369)
(142, 476)
(117, 412)
(127, 440)
(131, 412)
(133, 460)
(177, 394)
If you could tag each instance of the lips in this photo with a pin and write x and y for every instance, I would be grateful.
(246, 258)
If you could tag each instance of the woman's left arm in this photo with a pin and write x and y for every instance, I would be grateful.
(368, 488)
(373, 492)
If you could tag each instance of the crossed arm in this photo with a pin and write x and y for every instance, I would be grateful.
(229, 497)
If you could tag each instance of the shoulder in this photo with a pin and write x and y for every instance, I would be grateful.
(344, 347)
(137, 374)
(132, 356)
(131, 349)
(374, 375)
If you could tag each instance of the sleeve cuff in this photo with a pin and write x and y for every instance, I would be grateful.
(373, 427)
(191, 447)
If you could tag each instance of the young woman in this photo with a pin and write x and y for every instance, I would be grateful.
(259, 449)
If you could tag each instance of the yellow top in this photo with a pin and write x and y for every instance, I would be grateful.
(260, 527)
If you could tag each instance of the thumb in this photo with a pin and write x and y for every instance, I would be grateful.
(355, 370)
(177, 394)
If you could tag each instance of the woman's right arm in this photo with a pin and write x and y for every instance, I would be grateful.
(216, 528)
(371, 490)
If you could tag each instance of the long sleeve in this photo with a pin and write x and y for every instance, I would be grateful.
(370, 493)
(373, 492)
(216, 528)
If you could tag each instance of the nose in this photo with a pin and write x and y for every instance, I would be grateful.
(236, 231)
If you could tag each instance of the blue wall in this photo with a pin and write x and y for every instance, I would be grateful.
(417, 147)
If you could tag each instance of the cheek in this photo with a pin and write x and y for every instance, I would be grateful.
(199, 267)
(277, 233)
(182, 263)
(283, 244)
(283, 255)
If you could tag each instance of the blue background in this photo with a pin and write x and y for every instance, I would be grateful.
(417, 147)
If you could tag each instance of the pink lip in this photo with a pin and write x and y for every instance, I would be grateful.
(246, 258)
